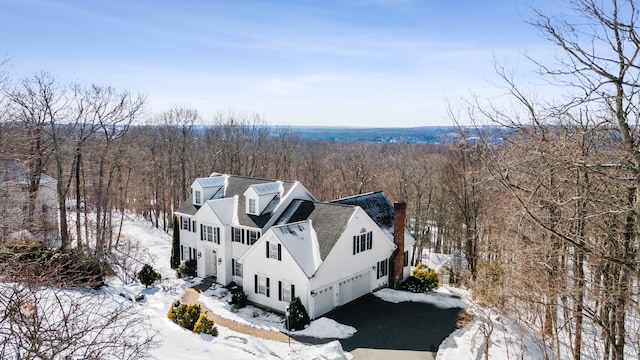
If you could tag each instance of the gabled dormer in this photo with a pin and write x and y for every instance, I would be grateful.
(262, 198)
(204, 189)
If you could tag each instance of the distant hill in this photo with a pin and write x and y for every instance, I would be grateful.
(414, 135)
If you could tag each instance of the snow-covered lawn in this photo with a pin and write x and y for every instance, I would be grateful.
(178, 343)
(509, 339)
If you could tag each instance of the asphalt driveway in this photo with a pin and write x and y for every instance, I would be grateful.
(388, 326)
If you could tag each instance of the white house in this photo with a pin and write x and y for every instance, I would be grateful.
(14, 196)
(277, 241)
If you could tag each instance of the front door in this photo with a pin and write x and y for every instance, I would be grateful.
(212, 263)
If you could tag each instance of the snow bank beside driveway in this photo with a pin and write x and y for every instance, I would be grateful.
(442, 301)
(325, 328)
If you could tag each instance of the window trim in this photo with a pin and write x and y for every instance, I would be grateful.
(197, 197)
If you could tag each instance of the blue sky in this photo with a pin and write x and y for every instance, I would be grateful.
(333, 62)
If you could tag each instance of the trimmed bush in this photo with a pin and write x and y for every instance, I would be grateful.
(298, 316)
(422, 279)
(238, 298)
(184, 315)
(147, 275)
(204, 325)
(189, 268)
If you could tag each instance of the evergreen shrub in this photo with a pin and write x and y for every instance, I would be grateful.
(147, 275)
(204, 325)
(298, 317)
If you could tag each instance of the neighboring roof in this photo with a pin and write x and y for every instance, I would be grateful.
(16, 171)
(329, 220)
(299, 240)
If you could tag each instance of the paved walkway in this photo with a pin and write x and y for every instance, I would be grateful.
(192, 296)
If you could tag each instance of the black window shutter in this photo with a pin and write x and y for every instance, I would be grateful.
(189, 224)
(293, 291)
(181, 252)
(267, 287)
(279, 290)
(279, 252)
(233, 267)
(218, 235)
(378, 277)
(194, 226)
(201, 232)
(267, 249)
(369, 240)
(181, 227)
(255, 283)
(243, 236)
(355, 239)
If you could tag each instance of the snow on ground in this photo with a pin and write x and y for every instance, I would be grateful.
(509, 339)
(178, 343)
(327, 328)
(441, 300)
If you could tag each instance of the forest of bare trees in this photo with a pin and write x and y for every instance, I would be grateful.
(547, 217)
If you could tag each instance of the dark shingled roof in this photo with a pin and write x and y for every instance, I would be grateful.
(375, 204)
(328, 220)
(187, 208)
(237, 185)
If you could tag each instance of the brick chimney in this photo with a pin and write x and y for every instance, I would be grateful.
(399, 215)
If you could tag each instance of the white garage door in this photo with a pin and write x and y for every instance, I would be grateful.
(353, 287)
(322, 301)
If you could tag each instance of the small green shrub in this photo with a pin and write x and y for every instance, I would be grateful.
(147, 275)
(238, 298)
(204, 325)
(184, 315)
(422, 279)
(298, 317)
(189, 268)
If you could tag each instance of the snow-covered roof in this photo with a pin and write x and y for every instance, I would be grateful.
(379, 209)
(12, 170)
(223, 208)
(212, 181)
(301, 242)
(265, 189)
(329, 220)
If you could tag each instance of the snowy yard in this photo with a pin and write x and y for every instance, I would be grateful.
(176, 342)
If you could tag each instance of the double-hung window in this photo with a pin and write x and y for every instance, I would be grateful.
(286, 291)
(274, 250)
(237, 235)
(252, 206)
(383, 268)
(236, 267)
(252, 237)
(198, 197)
(261, 285)
(362, 242)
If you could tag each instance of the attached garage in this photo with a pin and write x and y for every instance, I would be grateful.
(322, 301)
(353, 287)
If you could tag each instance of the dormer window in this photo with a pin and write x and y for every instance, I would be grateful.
(198, 197)
(252, 206)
